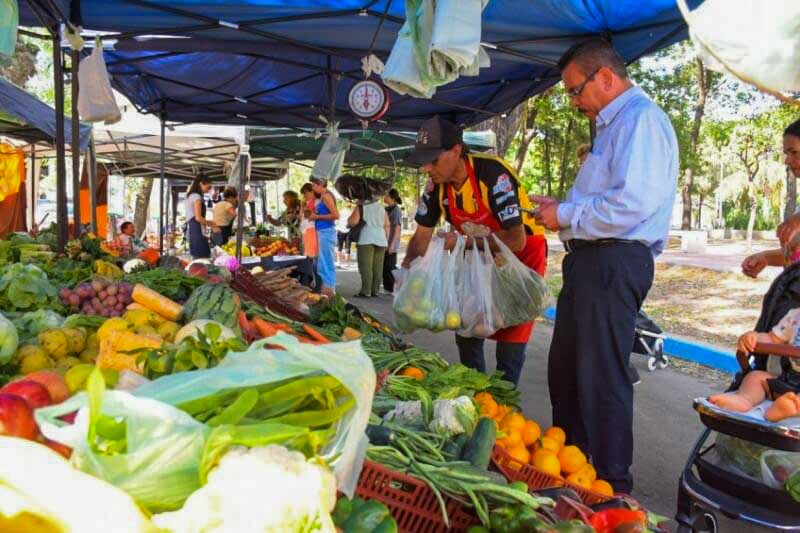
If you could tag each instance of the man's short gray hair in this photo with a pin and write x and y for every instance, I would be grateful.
(592, 54)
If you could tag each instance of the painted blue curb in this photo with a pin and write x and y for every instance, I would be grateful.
(683, 349)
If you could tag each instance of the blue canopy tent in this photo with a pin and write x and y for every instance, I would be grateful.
(283, 63)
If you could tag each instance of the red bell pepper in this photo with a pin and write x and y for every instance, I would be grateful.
(607, 520)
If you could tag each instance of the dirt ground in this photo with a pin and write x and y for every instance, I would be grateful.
(705, 305)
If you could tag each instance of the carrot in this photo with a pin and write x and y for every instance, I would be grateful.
(315, 335)
(263, 327)
(247, 330)
(280, 326)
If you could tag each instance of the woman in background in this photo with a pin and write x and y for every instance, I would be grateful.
(325, 216)
(224, 215)
(371, 247)
(290, 217)
(195, 209)
(395, 214)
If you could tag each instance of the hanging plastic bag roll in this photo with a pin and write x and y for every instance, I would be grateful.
(96, 101)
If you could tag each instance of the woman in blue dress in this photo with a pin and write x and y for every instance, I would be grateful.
(325, 216)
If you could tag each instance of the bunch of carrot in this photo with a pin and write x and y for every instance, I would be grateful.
(259, 328)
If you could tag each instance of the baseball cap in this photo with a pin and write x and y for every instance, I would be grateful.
(435, 136)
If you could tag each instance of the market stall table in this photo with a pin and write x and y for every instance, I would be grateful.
(303, 271)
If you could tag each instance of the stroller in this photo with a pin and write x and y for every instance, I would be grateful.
(706, 485)
(648, 340)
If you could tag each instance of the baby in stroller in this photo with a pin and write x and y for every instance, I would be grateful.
(781, 303)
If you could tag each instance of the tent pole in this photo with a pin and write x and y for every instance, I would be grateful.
(76, 147)
(62, 218)
(264, 203)
(92, 171)
(161, 187)
(32, 184)
(243, 155)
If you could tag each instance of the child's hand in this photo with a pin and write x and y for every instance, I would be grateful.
(748, 341)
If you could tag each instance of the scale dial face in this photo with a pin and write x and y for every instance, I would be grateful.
(368, 100)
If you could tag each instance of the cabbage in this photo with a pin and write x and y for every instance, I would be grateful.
(9, 339)
(30, 324)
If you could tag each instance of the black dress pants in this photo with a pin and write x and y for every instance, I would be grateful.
(590, 390)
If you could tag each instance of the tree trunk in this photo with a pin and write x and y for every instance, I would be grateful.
(504, 128)
(791, 194)
(142, 205)
(751, 222)
(548, 173)
(686, 197)
(565, 154)
(699, 222)
(528, 133)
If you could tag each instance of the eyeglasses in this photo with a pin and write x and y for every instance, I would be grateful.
(576, 91)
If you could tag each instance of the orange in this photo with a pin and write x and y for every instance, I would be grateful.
(547, 462)
(512, 438)
(548, 444)
(538, 453)
(572, 459)
(531, 432)
(413, 372)
(602, 487)
(501, 443)
(580, 479)
(513, 420)
(502, 410)
(519, 453)
(557, 434)
(488, 407)
(483, 396)
(589, 471)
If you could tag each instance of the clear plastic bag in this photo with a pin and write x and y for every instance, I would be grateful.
(778, 466)
(475, 284)
(96, 101)
(520, 294)
(9, 20)
(428, 294)
(159, 465)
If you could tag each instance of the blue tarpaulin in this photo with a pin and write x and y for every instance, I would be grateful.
(25, 117)
(276, 63)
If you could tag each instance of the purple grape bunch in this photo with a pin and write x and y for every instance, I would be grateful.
(98, 297)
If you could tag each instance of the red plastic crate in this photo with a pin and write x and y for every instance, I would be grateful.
(411, 501)
(536, 479)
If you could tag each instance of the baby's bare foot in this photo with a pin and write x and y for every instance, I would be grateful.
(732, 401)
(786, 406)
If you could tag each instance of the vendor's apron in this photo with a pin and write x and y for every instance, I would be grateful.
(198, 243)
(534, 255)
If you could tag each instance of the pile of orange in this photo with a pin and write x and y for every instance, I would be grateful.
(523, 440)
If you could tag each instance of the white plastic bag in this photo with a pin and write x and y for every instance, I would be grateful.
(777, 466)
(96, 101)
(427, 297)
(475, 284)
(752, 40)
(520, 294)
(9, 20)
(330, 160)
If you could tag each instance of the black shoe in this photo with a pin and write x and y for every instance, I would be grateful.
(361, 295)
(633, 375)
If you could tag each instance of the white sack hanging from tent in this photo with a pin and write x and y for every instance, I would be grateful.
(235, 173)
(755, 41)
(439, 41)
(9, 20)
(330, 160)
(96, 101)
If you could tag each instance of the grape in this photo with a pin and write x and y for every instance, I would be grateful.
(91, 293)
(96, 303)
(110, 301)
(64, 293)
(111, 290)
(83, 291)
(107, 312)
(119, 307)
(87, 309)
(74, 300)
(102, 294)
(97, 286)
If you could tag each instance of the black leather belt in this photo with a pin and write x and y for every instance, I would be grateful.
(576, 244)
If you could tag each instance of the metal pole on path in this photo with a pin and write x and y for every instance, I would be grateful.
(75, 145)
(92, 171)
(62, 218)
(243, 156)
(161, 188)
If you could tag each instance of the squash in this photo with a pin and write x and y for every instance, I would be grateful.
(478, 449)
(157, 303)
(112, 356)
(150, 256)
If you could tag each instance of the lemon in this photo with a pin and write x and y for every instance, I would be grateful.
(35, 361)
(453, 320)
(89, 354)
(77, 375)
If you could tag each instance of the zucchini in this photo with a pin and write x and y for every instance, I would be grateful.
(379, 435)
(478, 449)
(455, 447)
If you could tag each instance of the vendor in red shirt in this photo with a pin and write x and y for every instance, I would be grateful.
(484, 190)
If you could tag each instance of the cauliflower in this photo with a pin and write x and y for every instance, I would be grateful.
(453, 417)
(406, 413)
(263, 489)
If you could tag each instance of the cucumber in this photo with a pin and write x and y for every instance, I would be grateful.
(455, 447)
(478, 449)
(379, 435)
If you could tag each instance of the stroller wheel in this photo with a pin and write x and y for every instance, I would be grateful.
(701, 523)
(664, 362)
(651, 364)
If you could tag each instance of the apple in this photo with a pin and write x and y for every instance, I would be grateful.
(69, 418)
(53, 381)
(198, 270)
(16, 417)
(31, 391)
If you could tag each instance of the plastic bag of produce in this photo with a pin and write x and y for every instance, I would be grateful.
(475, 282)
(778, 466)
(346, 361)
(148, 448)
(520, 294)
(427, 298)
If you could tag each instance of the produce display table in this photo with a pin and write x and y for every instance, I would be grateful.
(304, 267)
